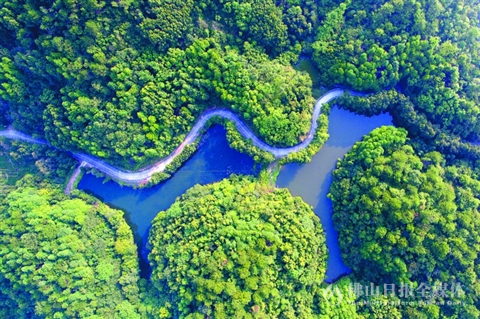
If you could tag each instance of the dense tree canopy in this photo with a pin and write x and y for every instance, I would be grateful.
(403, 218)
(238, 249)
(65, 258)
(75, 258)
(125, 81)
(427, 50)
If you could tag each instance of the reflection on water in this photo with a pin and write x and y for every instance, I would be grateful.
(312, 181)
(214, 161)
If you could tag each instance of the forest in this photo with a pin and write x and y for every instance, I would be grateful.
(403, 217)
(64, 257)
(126, 80)
(425, 52)
(106, 81)
(267, 245)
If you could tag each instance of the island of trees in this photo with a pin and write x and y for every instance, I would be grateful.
(238, 249)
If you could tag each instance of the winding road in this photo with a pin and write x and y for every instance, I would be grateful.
(145, 174)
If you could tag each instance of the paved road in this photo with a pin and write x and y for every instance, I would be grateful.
(73, 178)
(16, 135)
(144, 175)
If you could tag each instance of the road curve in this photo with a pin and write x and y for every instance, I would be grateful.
(145, 174)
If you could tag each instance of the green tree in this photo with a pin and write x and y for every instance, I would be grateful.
(65, 258)
(404, 219)
(238, 249)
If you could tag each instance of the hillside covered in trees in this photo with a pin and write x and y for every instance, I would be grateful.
(65, 258)
(426, 52)
(126, 80)
(403, 218)
(240, 249)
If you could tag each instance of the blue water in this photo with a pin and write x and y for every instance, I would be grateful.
(312, 181)
(213, 161)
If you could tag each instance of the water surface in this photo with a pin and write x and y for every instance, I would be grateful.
(213, 161)
(312, 181)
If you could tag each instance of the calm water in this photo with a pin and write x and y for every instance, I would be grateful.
(312, 181)
(215, 160)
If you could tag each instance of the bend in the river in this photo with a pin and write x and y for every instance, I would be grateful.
(146, 173)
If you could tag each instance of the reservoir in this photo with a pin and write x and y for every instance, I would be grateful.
(215, 160)
(312, 181)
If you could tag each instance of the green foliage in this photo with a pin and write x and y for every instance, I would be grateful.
(369, 105)
(43, 162)
(157, 178)
(406, 219)
(125, 81)
(337, 301)
(261, 21)
(65, 258)
(238, 249)
(427, 136)
(380, 307)
(426, 50)
(188, 151)
(272, 25)
(142, 107)
(166, 23)
(236, 141)
(321, 135)
(10, 171)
